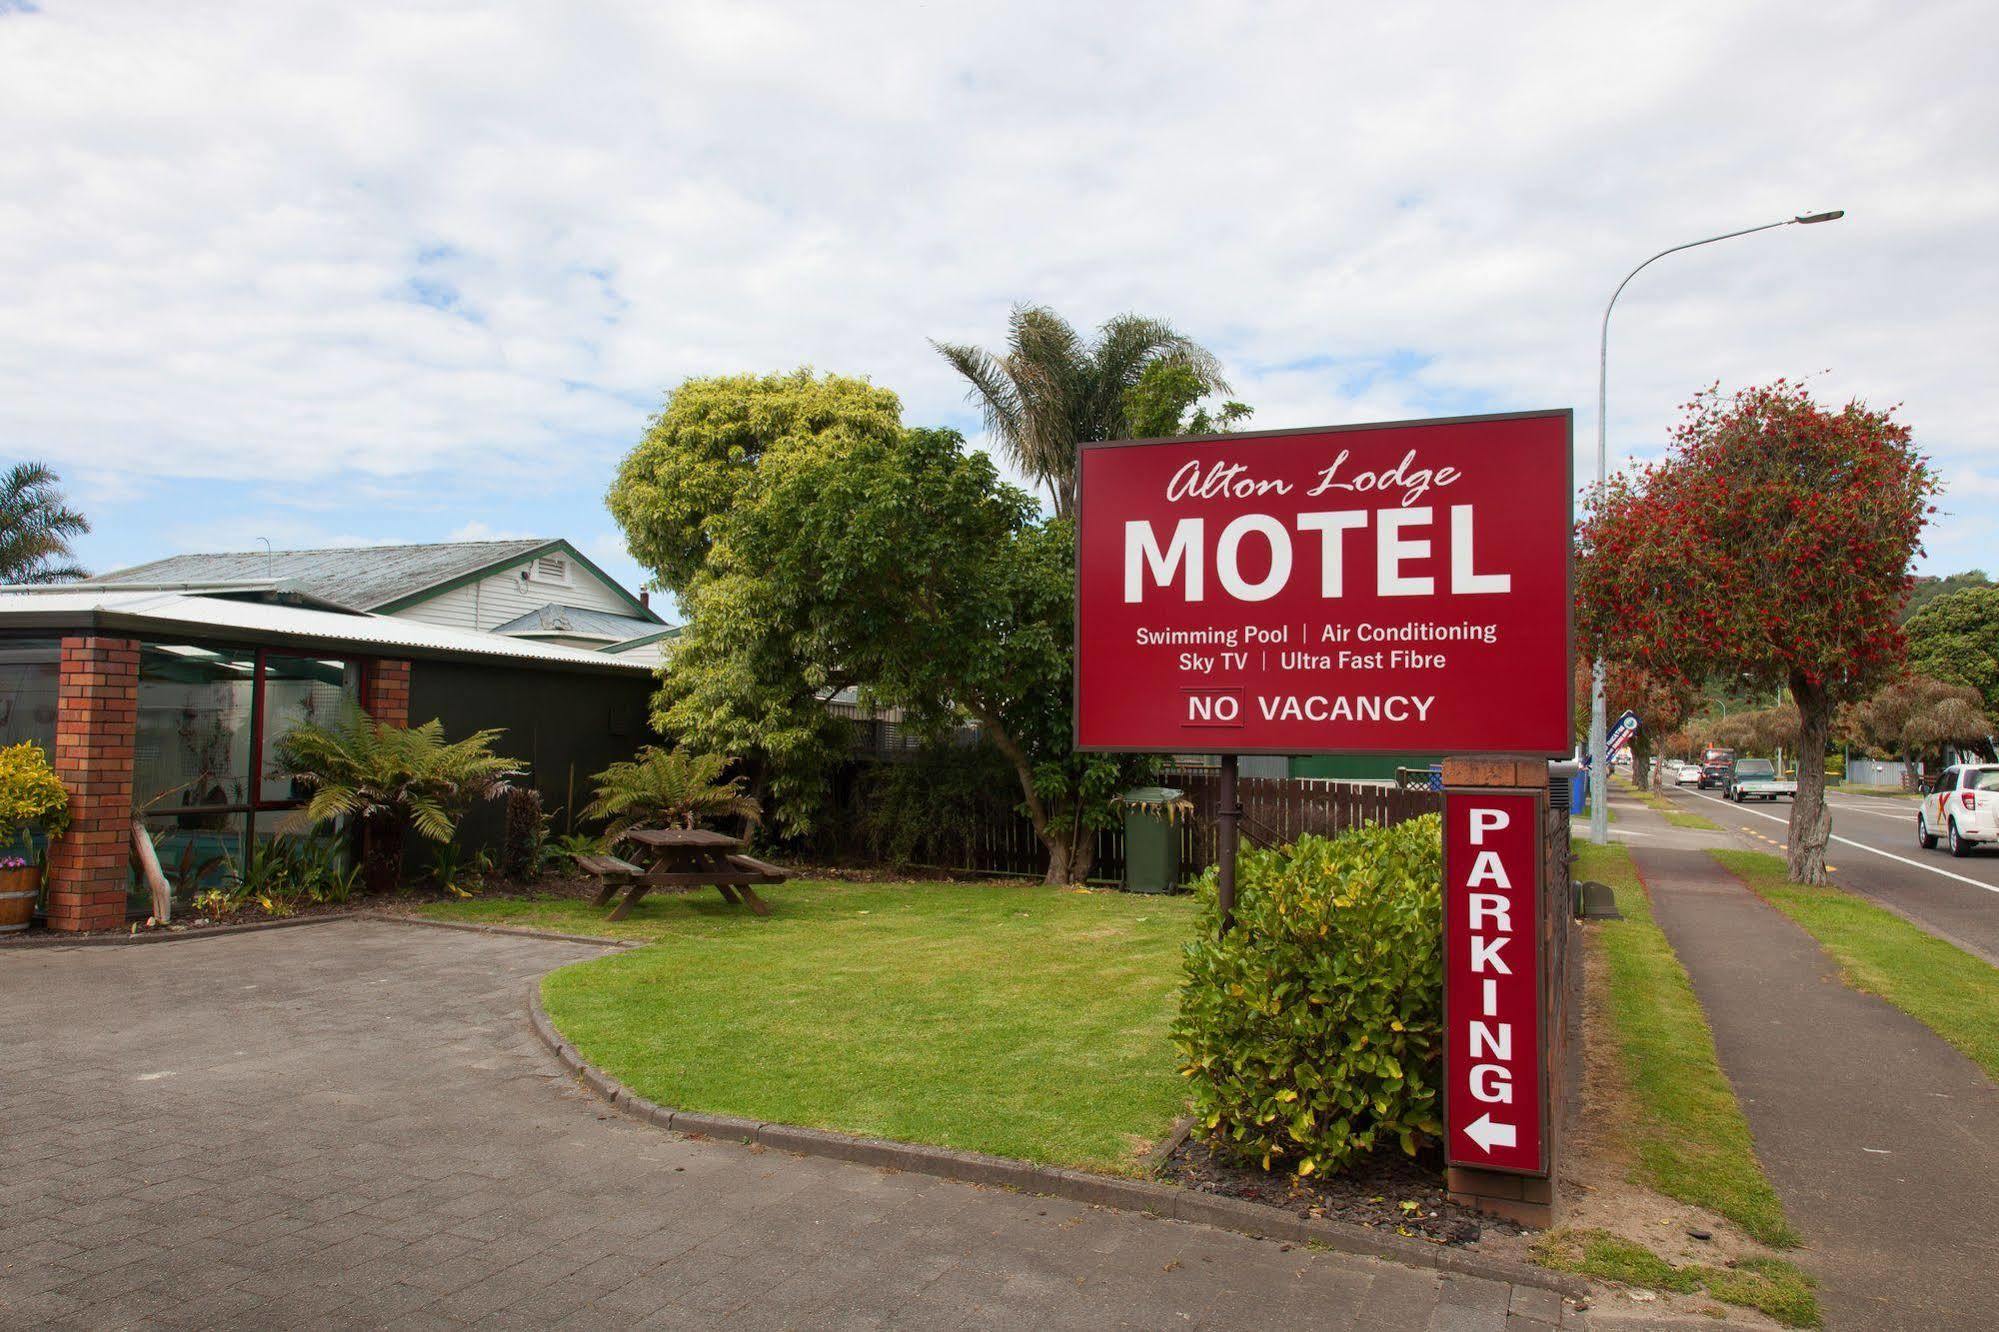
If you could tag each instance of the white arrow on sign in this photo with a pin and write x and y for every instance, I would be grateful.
(1489, 1134)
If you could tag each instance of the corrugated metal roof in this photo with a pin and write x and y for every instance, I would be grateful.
(363, 577)
(183, 614)
(658, 635)
(556, 618)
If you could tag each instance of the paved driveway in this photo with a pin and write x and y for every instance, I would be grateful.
(349, 1125)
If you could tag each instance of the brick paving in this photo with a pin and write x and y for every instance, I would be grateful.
(349, 1125)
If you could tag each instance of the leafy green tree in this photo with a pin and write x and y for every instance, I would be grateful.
(855, 554)
(743, 692)
(707, 444)
(1051, 391)
(1929, 587)
(1956, 638)
(1772, 544)
(1166, 401)
(671, 786)
(391, 781)
(36, 524)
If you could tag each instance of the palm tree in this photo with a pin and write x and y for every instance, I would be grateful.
(391, 780)
(668, 786)
(36, 524)
(1051, 391)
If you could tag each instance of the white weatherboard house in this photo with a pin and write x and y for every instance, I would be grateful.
(543, 590)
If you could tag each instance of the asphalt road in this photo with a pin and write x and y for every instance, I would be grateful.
(1874, 852)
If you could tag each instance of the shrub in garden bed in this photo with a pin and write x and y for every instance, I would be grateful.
(1313, 1032)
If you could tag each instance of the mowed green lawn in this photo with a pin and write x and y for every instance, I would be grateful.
(1018, 1020)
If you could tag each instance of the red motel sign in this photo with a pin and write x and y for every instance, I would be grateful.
(1398, 588)
(1495, 1085)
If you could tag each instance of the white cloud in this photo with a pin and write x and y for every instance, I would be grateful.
(480, 531)
(436, 256)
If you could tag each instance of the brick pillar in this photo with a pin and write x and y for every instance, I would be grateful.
(97, 712)
(386, 696)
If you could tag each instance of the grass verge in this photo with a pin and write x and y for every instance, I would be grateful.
(1856, 788)
(1688, 1134)
(1676, 816)
(1771, 1285)
(1953, 993)
(1024, 1021)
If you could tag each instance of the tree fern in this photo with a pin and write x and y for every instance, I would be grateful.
(669, 786)
(391, 780)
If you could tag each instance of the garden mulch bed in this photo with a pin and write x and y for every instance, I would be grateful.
(406, 900)
(192, 926)
(1388, 1192)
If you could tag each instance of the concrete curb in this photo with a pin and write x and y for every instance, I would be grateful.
(518, 932)
(1131, 1195)
(53, 940)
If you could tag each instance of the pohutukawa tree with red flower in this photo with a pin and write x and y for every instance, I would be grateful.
(1773, 542)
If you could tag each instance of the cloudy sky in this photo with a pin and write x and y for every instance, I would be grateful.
(373, 271)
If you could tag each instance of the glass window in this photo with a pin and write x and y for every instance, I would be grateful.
(196, 781)
(29, 668)
(194, 853)
(1981, 779)
(299, 690)
(192, 746)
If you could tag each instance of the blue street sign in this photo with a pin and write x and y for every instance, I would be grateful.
(1620, 734)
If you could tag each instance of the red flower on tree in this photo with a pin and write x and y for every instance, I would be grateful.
(1774, 542)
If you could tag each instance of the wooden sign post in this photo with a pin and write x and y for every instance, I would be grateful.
(1504, 999)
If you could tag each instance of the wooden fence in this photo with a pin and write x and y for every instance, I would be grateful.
(1276, 810)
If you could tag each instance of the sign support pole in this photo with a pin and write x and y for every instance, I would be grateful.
(1228, 820)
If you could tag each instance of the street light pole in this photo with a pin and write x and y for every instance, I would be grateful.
(1599, 768)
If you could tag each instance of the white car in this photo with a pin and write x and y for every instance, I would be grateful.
(1960, 805)
(1687, 774)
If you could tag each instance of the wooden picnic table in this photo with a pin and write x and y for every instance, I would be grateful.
(681, 860)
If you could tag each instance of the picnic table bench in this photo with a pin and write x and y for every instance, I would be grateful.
(679, 860)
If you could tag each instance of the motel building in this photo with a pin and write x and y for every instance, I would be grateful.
(164, 706)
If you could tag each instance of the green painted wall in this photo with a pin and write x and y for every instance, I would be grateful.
(1356, 767)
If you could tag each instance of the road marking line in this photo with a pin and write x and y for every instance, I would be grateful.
(1861, 846)
(1863, 809)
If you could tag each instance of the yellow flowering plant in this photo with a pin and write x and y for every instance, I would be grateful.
(31, 795)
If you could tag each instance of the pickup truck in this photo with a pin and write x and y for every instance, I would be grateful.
(1757, 779)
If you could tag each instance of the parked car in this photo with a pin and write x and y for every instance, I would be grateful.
(1960, 804)
(1686, 774)
(1757, 779)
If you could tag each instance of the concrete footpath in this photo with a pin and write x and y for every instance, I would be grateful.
(1882, 1140)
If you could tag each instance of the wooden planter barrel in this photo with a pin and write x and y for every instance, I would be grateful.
(18, 890)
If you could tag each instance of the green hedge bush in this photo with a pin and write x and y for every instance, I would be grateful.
(1314, 1031)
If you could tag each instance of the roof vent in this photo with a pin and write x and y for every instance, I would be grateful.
(551, 569)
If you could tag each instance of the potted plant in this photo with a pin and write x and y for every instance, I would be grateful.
(31, 796)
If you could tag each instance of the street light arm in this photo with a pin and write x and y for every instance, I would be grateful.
(1726, 235)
